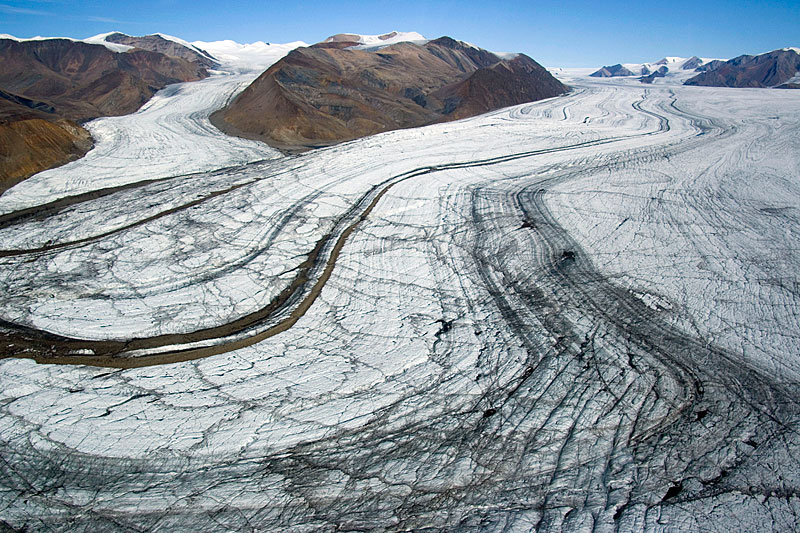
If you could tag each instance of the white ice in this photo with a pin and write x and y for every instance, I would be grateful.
(429, 379)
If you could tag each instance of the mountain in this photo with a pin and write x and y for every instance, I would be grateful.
(660, 73)
(350, 86)
(779, 68)
(167, 45)
(47, 86)
(693, 63)
(83, 81)
(675, 67)
(32, 139)
(612, 71)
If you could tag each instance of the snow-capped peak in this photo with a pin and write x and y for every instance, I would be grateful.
(114, 47)
(102, 39)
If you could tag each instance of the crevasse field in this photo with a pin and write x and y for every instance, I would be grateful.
(576, 314)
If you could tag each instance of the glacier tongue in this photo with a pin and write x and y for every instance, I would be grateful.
(169, 136)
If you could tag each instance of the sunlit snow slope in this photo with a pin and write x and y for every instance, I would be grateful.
(577, 314)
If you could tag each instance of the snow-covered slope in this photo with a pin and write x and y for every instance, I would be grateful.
(252, 56)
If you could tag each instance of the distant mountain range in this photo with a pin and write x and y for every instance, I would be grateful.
(47, 86)
(350, 85)
(647, 72)
(779, 69)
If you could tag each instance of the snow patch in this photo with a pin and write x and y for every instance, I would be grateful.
(377, 41)
(392, 37)
(795, 80)
(506, 55)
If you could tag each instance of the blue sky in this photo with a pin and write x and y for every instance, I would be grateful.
(568, 33)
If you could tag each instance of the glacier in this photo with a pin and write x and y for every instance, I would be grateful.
(571, 315)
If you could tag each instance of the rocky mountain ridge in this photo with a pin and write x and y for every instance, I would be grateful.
(778, 68)
(648, 72)
(49, 86)
(339, 90)
(169, 47)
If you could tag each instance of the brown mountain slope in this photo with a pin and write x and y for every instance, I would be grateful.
(84, 81)
(509, 82)
(33, 139)
(331, 92)
(30, 145)
(48, 85)
(773, 69)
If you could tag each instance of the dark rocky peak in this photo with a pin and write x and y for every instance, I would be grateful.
(711, 65)
(660, 73)
(447, 42)
(612, 71)
(692, 63)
